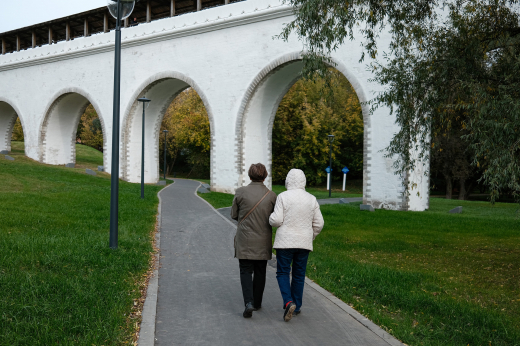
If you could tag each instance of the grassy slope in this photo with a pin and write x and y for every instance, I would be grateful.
(430, 278)
(60, 282)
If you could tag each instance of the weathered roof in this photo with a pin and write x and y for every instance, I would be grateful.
(95, 18)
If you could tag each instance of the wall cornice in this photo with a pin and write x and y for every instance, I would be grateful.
(155, 35)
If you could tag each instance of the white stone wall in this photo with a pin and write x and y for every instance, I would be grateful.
(227, 54)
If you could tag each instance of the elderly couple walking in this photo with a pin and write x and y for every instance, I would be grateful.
(297, 215)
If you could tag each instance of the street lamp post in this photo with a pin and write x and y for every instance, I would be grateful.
(119, 9)
(145, 102)
(164, 166)
(331, 139)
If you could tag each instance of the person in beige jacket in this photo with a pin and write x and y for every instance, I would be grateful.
(298, 218)
(252, 206)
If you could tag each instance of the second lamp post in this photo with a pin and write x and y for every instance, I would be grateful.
(331, 139)
(145, 102)
(164, 166)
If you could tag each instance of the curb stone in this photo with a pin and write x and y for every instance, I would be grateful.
(147, 331)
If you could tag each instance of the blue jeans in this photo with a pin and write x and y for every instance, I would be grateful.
(291, 291)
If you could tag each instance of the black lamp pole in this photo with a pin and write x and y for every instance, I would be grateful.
(114, 179)
(144, 100)
(164, 166)
(331, 139)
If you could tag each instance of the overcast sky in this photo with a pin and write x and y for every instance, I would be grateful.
(21, 13)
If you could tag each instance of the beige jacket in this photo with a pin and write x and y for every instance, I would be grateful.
(296, 214)
(254, 237)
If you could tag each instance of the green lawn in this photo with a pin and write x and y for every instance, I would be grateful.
(354, 188)
(429, 278)
(222, 200)
(60, 282)
(87, 157)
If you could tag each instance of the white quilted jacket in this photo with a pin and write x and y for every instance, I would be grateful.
(296, 214)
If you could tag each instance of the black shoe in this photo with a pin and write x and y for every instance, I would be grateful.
(296, 313)
(287, 315)
(248, 312)
(257, 307)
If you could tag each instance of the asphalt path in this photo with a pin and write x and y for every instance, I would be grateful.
(199, 299)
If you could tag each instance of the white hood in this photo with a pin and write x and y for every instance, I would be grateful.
(295, 180)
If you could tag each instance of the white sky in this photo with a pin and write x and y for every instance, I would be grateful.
(15, 14)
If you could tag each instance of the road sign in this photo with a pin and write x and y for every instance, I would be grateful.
(328, 170)
(345, 170)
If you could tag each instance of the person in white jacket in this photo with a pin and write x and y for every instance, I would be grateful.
(298, 218)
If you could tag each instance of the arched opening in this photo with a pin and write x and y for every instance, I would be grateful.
(10, 128)
(177, 105)
(89, 138)
(70, 112)
(188, 138)
(307, 114)
(258, 115)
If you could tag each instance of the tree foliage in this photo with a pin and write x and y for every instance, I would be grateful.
(304, 119)
(448, 62)
(90, 131)
(17, 134)
(188, 137)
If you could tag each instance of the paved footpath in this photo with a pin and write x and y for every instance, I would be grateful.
(199, 300)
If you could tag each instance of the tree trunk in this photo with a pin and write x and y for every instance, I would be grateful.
(449, 188)
(470, 188)
(462, 189)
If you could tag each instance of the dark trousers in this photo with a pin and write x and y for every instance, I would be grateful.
(252, 278)
(291, 290)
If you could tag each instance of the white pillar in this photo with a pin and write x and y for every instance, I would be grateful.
(199, 5)
(18, 43)
(86, 28)
(344, 181)
(226, 2)
(4, 48)
(328, 181)
(148, 12)
(172, 8)
(67, 31)
(33, 39)
(105, 23)
(126, 23)
(50, 35)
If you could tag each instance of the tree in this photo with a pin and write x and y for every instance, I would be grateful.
(451, 158)
(304, 119)
(445, 58)
(89, 130)
(188, 138)
(17, 131)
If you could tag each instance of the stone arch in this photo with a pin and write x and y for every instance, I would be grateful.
(9, 112)
(258, 109)
(161, 88)
(57, 134)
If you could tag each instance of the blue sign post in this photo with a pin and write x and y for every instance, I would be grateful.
(328, 170)
(345, 170)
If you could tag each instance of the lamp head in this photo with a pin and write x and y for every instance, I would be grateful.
(165, 131)
(330, 138)
(127, 6)
(145, 102)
